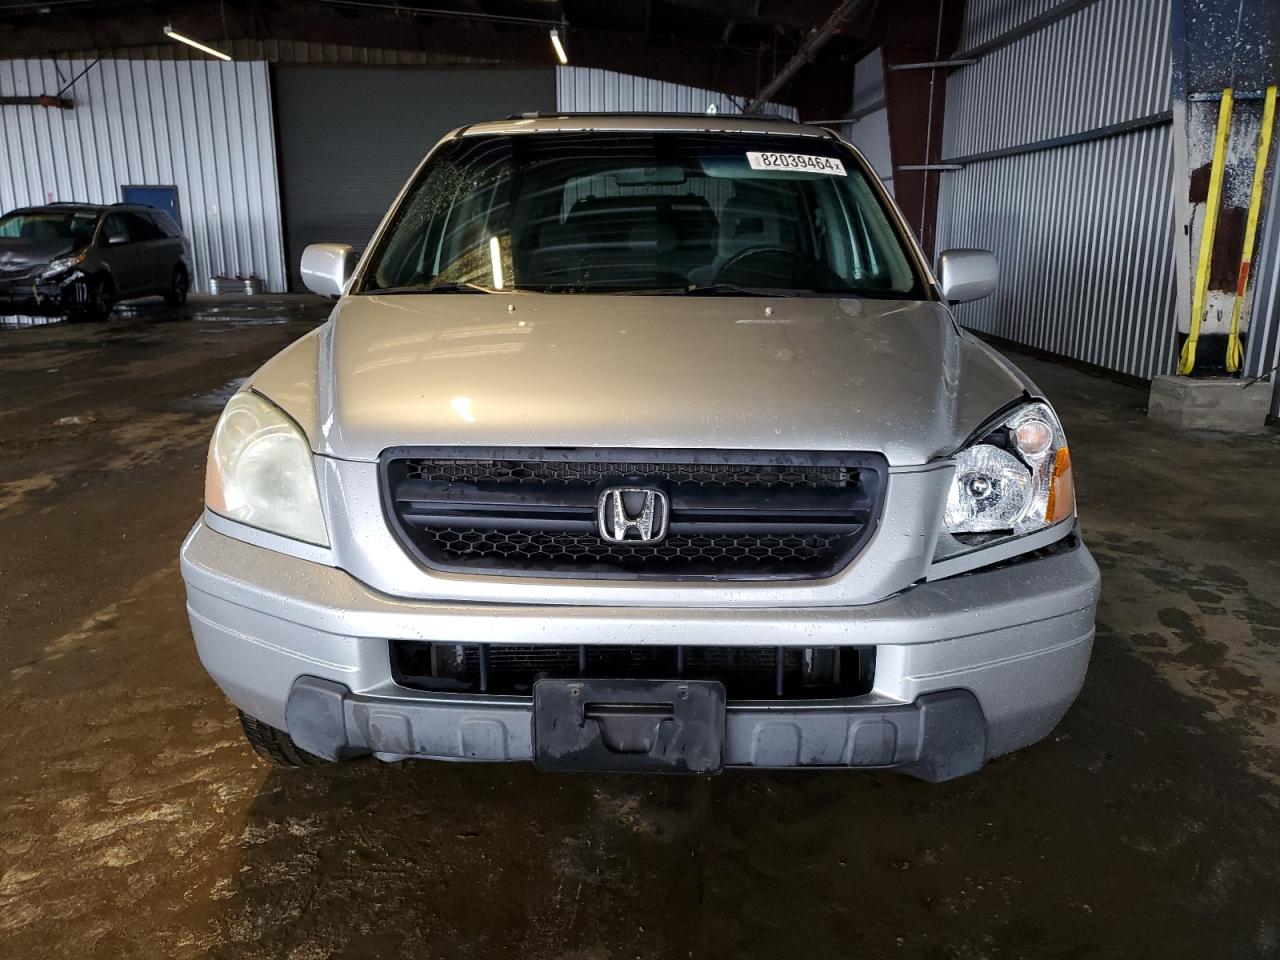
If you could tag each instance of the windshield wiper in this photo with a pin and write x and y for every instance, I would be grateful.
(733, 290)
(434, 288)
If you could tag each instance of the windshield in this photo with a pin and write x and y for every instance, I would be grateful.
(644, 213)
(49, 225)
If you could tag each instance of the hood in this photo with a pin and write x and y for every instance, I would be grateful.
(617, 371)
(20, 254)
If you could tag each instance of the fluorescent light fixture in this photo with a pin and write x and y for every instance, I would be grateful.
(555, 42)
(495, 261)
(173, 34)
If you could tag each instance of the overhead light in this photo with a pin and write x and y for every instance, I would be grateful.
(559, 47)
(173, 34)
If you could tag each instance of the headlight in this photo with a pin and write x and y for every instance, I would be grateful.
(62, 265)
(261, 471)
(1013, 481)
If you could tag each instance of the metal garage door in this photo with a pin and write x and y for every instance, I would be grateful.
(349, 137)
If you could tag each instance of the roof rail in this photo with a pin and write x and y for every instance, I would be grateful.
(537, 115)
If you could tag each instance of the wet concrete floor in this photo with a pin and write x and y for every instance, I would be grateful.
(135, 822)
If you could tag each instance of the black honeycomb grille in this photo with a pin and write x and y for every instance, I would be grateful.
(743, 551)
(567, 473)
(748, 515)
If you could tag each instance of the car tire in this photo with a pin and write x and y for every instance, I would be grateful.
(179, 287)
(99, 301)
(276, 745)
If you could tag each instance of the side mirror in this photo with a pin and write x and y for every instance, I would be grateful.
(967, 275)
(326, 268)
(115, 239)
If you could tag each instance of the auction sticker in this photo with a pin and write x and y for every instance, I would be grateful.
(801, 162)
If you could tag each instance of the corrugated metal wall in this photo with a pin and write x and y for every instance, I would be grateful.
(1108, 62)
(985, 20)
(588, 90)
(204, 127)
(1084, 233)
(1264, 336)
(1084, 237)
(289, 51)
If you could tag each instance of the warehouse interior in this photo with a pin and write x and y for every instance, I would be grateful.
(1112, 154)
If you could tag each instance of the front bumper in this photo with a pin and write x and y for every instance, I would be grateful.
(38, 296)
(967, 668)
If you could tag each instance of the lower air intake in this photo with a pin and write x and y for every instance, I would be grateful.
(748, 673)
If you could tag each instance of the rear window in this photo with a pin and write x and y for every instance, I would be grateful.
(142, 226)
(165, 223)
(644, 212)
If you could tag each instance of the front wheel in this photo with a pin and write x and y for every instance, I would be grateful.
(99, 300)
(276, 745)
(179, 286)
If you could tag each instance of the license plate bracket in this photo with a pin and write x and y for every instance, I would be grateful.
(657, 726)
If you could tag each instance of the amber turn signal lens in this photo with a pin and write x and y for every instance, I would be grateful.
(1062, 491)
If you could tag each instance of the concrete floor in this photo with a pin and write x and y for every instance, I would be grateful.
(135, 822)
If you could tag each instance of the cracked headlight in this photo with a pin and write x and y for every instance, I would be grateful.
(62, 265)
(1013, 481)
(261, 471)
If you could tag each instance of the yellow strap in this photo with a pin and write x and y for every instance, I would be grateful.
(1235, 351)
(1188, 360)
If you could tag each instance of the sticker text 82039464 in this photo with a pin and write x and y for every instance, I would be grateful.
(798, 162)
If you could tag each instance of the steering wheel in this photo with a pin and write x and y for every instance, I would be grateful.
(747, 252)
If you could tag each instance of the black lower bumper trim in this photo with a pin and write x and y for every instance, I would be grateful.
(940, 736)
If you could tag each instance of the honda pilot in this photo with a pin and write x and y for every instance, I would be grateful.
(643, 443)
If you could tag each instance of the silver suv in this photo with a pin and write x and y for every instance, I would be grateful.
(80, 259)
(643, 443)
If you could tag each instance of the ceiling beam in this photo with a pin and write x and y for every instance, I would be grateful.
(708, 62)
(839, 19)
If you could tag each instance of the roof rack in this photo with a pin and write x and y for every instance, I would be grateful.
(90, 203)
(538, 115)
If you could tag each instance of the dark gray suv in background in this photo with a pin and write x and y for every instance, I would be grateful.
(80, 259)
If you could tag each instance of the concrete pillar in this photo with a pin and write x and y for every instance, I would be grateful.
(1217, 44)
